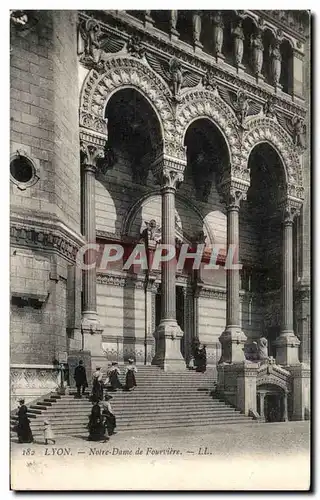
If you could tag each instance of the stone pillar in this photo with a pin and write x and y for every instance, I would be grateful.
(93, 159)
(262, 396)
(246, 375)
(169, 174)
(297, 69)
(300, 391)
(285, 407)
(233, 338)
(287, 344)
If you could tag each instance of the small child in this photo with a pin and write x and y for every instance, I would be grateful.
(48, 432)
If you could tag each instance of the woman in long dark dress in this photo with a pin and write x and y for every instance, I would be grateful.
(130, 376)
(97, 385)
(202, 359)
(109, 417)
(113, 375)
(23, 428)
(95, 426)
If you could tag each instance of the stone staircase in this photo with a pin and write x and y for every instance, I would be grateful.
(161, 400)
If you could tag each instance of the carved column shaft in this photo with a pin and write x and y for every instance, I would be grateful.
(233, 339)
(287, 279)
(92, 156)
(233, 278)
(168, 290)
(168, 356)
(287, 343)
(89, 224)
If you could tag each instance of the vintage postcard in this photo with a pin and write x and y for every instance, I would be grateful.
(160, 250)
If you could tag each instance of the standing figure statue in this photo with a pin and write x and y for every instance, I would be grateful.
(263, 348)
(176, 76)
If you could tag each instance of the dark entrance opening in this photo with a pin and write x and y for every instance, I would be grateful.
(273, 408)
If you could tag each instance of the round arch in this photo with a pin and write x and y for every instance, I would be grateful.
(120, 73)
(267, 130)
(131, 215)
(207, 105)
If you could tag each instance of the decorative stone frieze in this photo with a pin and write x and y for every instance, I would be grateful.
(44, 239)
(200, 63)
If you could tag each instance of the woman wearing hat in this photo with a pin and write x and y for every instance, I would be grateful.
(23, 427)
(130, 376)
(109, 417)
(113, 374)
(97, 384)
(95, 425)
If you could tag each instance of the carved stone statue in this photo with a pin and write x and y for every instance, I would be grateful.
(217, 33)
(275, 61)
(176, 76)
(88, 42)
(152, 231)
(263, 348)
(238, 38)
(257, 53)
(299, 131)
(196, 21)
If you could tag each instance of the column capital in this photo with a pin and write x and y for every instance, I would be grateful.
(290, 210)
(232, 196)
(168, 171)
(96, 156)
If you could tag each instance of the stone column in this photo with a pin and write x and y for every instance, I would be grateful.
(233, 338)
(169, 174)
(94, 158)
(262, 396)
(285, 407)
(297, 77)
(287, 343)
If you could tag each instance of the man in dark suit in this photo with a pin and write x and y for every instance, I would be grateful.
(80, 377)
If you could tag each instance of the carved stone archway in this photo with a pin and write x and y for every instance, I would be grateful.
(126, 72)
(268, 130)
(199, 104)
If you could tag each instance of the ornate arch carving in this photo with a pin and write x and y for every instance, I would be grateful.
(198, 104)
(121, 72)
(268, 130)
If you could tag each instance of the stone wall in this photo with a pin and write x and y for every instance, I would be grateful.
(45, 217)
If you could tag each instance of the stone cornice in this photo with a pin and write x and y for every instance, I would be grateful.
(45, 235)
(158, 42)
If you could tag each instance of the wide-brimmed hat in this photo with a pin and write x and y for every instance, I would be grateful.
(98, 368)
(108, 396)
(130, 360)
(114, 363)
(21, 400)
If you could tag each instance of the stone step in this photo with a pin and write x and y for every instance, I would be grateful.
(128, 414)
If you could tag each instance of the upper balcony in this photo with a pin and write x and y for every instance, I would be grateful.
(263, 48)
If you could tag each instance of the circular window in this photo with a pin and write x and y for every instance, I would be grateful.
(22, 170)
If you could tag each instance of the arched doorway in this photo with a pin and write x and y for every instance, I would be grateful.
(261, 244)
(272, 403)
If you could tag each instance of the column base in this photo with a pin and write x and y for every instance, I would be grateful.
(300, 391)
(91, 331)
(287, 345)
(237, 384)
(168, 355)
(232, 342)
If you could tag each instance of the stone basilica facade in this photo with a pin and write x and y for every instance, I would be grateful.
(162, 127)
